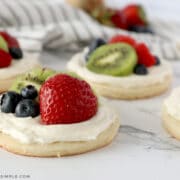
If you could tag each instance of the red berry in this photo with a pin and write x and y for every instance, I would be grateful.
(64, 100)
(123, 38)
(5, 59)
(12, 41)
(144, 55)
(118, 20)
(134, 15)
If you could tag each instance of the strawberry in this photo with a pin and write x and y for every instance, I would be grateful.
(144, 55)
(123, 38)
(118, 20)
(134, 15)
(5, 59)
(12, 41)
(64, 99)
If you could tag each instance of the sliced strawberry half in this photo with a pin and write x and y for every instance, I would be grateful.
(12, 41)
(5, 59)
(64, 100)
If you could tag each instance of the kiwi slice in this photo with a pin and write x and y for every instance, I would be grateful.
(3, 44)
(113, 59)
(39, 74)
(35, 77)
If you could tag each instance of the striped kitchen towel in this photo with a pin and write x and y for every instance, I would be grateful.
(53, 24)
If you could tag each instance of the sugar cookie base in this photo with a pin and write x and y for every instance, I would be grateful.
(171, 124)
(132, 93)
(59, 148)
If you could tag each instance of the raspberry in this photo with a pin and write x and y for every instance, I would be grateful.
(144, 55)
(5, 59)
(123, 38)
(64, 100)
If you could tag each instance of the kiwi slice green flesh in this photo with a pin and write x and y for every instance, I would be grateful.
(35, 77)
(20, 83)
(3, 44)
(113, 59)
(39, 74)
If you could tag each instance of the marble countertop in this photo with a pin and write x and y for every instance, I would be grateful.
(141, 150)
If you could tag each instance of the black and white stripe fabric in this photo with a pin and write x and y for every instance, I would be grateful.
(54, 24)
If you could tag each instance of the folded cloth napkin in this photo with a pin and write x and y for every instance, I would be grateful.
(53, 24)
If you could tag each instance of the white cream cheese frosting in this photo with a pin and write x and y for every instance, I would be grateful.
(157, 74)
(172, 104)
(29, 130)
(19, 66)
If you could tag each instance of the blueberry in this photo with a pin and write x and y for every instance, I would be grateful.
(16, 52)
(158, 62)
(140, 69)
(27, 107)
(141, 29)
(94, 45)
(29, 92)
(9, 101)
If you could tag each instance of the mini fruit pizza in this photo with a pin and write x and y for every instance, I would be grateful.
(122, 68)
(47, 114)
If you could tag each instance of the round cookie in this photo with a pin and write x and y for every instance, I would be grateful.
(131, 93)
(59, 148)
(171, 124)
(171, 113)
(127, 87)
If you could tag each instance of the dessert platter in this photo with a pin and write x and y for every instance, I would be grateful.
(51, 114)
(13, 61)
(122, 68)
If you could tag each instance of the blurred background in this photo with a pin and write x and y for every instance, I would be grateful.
(165, 9)
(66, 26)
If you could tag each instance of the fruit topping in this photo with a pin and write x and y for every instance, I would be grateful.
(16, 52)
(144, 55)
(3, 44)
(35, 78)
(118, 20)
(64, 99)
(29, 92)
(140, 69)
(5, 59)
(134, 15)
(23, 105)
(27, 107)
(157, 59)
(9, 101)
(94, 45)
(117, 59)
(122, 38)
(13, 45)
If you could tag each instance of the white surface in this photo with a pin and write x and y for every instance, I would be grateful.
(142, 149)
